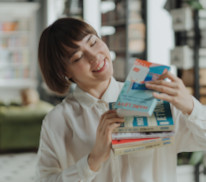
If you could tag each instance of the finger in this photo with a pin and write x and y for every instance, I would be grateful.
(110, 115)
(163, 96)
(107, 115)
(163, 89)
(109, 111)
(168, 75)
(111, 128)
(107, 122)
(163, 83)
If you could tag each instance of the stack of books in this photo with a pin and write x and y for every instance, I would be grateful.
(148, 121)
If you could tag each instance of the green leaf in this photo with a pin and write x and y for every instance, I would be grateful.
(196, 158)
(194, 4)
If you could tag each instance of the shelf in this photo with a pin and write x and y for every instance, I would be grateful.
(14, 64)
(121, 22)
(11, 33)
(17, 83)
(14, 48)
(17, 10)
(115, 23)
(18, 47)
(190, 45)
(127, 37)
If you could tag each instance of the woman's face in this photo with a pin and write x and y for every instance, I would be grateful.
(90, 64)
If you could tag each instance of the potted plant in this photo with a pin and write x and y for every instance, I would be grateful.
(190, 166)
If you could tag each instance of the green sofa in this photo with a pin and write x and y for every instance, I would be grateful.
(20, 126)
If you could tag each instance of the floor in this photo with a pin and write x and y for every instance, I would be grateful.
(21, 168)
(17, 167)
(185, 173)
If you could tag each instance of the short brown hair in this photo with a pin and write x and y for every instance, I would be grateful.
(53, 51)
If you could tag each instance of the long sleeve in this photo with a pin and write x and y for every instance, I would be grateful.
(68, 135)
(55, 164)
(191, 129)
(69, 131)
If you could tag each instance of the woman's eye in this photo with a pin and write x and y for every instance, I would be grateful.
(77, 59)
(93, 43)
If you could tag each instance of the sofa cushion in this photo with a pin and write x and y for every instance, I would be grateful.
(20, 125)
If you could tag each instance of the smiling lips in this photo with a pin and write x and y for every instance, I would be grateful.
(100, 66)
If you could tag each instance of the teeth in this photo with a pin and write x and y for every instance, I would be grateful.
(100, 66)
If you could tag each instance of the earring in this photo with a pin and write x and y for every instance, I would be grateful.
(66, 78)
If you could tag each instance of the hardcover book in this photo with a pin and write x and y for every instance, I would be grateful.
(127, 146)
(161, 120)
(135, 98)
(133, 135)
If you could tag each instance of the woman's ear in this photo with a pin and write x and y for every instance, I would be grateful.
(68, 75)
(69, 78)
(66, 78)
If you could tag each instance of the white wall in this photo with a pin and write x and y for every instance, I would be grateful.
(92, 14)
(54, 10)
(160, 34)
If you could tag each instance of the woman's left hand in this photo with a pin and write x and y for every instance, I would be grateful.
(174, 92)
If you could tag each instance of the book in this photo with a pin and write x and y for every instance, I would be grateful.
(135, 98)
(161, 120)
(148, 121)
(133, 135)
(132, 142)
(122, 147)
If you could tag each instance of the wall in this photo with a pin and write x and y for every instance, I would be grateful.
(160, 34)
(92, 13)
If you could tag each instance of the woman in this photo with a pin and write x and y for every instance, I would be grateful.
(75, 142)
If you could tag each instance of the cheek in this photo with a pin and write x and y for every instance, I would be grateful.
(76, 70)
(80, 69)
(82, 66)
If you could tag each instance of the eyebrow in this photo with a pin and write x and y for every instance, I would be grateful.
(89, 38)
(78, 48)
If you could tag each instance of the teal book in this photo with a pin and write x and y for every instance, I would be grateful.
(161, 120)
(135, 98)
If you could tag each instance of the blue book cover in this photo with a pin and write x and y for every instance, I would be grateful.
(135, 98)
(160, 120)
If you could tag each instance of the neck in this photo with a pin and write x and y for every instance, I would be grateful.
(98, 90)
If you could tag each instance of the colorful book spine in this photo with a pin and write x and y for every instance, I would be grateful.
(133, 142)
(135, 148)
(126, 135)
(161, 120)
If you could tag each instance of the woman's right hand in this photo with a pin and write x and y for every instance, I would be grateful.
(101, 150)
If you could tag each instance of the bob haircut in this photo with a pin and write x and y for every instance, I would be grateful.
(53, 50)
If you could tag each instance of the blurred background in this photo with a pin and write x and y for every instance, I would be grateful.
(171, 32)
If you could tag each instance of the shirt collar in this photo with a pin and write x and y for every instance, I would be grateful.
(88, 100)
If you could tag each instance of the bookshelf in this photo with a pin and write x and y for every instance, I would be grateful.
(189, 52)
(189, 25)
(73, 8)
(124, 31)
(18, 37)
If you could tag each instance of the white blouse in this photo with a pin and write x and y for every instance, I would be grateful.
(69, 132)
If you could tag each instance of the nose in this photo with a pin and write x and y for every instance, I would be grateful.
(92, 55)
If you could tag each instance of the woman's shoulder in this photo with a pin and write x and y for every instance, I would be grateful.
(58, 116)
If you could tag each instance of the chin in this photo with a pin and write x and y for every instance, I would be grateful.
(106, 77)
